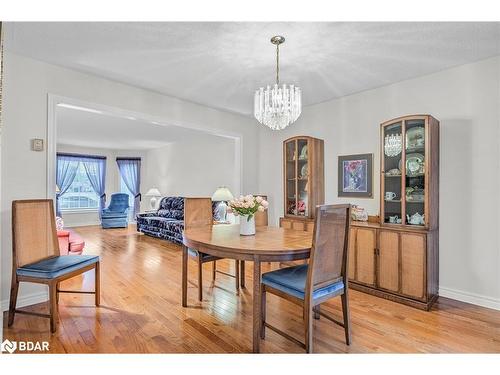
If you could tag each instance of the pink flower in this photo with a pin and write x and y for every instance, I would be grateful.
(259, 199)
(265, 203)
(261, 208)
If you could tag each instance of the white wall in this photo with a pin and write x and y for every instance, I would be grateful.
(77, 218)
(27, 83)
(466, 101)
(193, 167)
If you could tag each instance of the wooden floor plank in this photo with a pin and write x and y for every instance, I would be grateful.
(141, 312)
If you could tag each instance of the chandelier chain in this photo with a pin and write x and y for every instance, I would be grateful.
(277, 64)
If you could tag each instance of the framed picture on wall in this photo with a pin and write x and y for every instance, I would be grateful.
(355, 177)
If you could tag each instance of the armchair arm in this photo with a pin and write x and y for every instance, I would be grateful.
(147, 214)
(63, 239)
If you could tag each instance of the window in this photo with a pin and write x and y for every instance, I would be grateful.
(80, 195)
(124, 189)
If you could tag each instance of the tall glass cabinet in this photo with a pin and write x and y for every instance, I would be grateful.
(303, 176)
(409, 175)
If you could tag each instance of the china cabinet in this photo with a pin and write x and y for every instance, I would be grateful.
(397, 257)
(303, 181)
(409, 170)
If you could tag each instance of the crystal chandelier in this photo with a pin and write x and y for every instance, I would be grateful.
(279, 106)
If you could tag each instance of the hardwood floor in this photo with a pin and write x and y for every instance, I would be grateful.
(141, 312)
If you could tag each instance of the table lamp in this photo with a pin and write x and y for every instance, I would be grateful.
(222, 195)
(153, 193)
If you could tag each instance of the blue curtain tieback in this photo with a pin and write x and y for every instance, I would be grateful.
(140, 196)
(103, 196)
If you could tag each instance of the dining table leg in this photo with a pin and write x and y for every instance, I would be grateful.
(242, 273)
(184, 275)
(256, 304)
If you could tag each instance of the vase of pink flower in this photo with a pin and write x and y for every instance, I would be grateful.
(246, 207)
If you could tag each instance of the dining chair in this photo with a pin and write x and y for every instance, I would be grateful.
(325, 277)
(200, 214)
(36, 257)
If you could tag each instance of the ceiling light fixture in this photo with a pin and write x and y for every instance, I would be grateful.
(279, 106)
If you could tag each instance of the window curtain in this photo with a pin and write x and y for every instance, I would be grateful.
(67, 167)
(95, 168)
(130, 171)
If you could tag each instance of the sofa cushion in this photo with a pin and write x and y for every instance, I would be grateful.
(171, 214)
(172, 203)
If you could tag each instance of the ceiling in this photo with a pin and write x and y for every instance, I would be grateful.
(86, 129)
(221, 64)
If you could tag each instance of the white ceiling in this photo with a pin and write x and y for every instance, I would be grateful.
(86, 129)
(221, 64)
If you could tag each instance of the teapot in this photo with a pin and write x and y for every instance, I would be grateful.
(415, 219)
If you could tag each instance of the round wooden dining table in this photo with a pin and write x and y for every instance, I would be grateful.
(269, 244)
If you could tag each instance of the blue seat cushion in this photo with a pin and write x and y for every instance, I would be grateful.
(53, 267)
(112, 214)
(204, 257)
(292, 280)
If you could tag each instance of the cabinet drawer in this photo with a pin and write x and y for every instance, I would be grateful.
(284, 223)
(298, 225)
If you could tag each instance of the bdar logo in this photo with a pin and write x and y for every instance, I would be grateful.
(8, 346)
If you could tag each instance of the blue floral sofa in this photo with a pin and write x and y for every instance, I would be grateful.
(168, 221)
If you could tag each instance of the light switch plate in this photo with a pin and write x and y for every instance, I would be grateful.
(37, 144)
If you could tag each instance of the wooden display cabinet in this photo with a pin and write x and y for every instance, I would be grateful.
(303, 181)
(398, 258)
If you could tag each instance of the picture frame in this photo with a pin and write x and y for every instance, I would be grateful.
(355, 176)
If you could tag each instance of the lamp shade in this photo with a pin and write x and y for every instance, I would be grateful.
(154, 192)
(222, 194)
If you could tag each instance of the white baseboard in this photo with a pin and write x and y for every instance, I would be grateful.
(82, 224)
(475, 299)
(30, 299)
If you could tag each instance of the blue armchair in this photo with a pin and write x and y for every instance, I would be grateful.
(116, 214)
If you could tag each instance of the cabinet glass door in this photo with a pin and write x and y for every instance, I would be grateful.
(290, 176)
(392, 178)
(302, 178)
(415, 172)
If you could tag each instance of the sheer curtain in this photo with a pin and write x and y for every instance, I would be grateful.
(130, 171)
(67, 166)
(95, 167)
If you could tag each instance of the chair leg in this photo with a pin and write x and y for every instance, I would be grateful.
(316, 310)
(200, 279)
(57, 294)
(237, 275)
(53, 306)
(242, 273)
(97, 282)
(13, 300)
(214, 269)
(263, 315)
(347, 319)
(308, 327)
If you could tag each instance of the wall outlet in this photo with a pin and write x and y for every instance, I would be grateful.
(37, 144)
